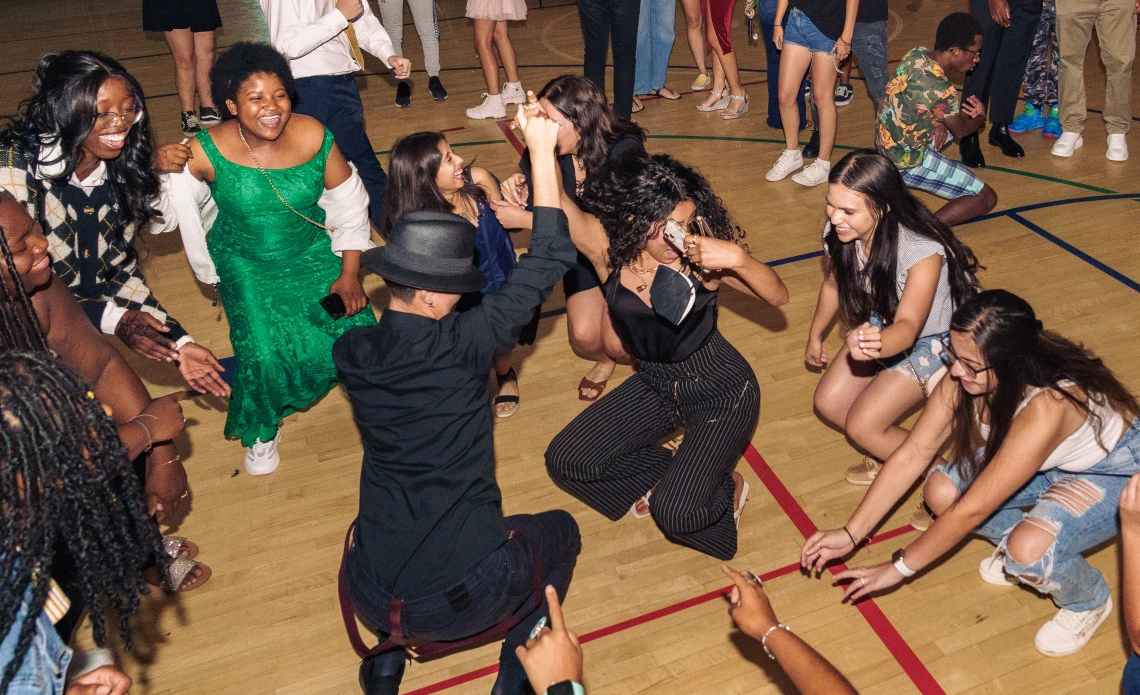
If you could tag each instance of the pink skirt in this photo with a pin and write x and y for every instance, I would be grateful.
(498, 10)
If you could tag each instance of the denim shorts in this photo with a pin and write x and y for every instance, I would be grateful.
(799, 30)
(925, 362)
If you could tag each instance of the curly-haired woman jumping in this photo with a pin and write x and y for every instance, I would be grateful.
(663, 302)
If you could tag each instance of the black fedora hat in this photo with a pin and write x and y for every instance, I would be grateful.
(428, 250)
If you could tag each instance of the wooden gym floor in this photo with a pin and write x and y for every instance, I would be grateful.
(650, 612)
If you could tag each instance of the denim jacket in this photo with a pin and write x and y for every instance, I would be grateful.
(45, 663)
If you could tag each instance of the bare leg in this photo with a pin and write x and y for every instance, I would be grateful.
(823, 92)
(584, 314)
(840, 385)
(968, 207)
(484, 37)
(872, 417)
(506, 51)
(181, 43)
(718, 71)
(510, 387)
(203, 61)
(694, 27)
(794, 63)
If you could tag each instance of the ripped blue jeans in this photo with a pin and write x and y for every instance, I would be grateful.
(1078, 509)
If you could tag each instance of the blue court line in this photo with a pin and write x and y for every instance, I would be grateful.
(1103, 267)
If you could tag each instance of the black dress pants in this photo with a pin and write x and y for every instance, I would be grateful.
(997, 77)
(601, 20)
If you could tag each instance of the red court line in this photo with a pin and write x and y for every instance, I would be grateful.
(890, 637)
(670, 610)
(505, 126)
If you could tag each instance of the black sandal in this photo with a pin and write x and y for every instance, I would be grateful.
(506, 399)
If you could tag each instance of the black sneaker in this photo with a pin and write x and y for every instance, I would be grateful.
(403, 95)
(208, 116)
(843, 94)
(437, 91)
(811, 150)
(190, 124)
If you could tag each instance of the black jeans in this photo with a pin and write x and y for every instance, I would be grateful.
(997, 77)
(334, 100)
(602, 19)
(500, 586)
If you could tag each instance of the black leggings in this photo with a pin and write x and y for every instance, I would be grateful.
(607, 456)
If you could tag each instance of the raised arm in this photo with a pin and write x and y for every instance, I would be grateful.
(728, 262)
(588, 234)
(501, 316)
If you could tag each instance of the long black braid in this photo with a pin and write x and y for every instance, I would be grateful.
(65, 479)
(19, 327)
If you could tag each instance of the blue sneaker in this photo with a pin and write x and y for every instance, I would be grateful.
(1052, 127)
(1030, 119)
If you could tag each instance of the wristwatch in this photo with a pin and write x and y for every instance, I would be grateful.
(897, 561)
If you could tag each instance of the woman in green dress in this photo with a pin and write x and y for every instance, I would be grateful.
(267, 170)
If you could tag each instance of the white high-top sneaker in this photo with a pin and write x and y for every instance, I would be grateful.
(1067, 144)
(513, 93)
(262, 458)
(1117, 148)
(492, 107)
(1069, 631)
(789, 161)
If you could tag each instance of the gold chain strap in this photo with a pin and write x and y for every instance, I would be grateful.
(921, 382)
(271, 185)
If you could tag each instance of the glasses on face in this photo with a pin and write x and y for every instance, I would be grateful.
(949, 357)
(977, 54)
(131, 116)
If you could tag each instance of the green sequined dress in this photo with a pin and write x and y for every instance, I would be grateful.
(274, 269)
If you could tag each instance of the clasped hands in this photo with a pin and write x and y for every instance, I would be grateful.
(825, 546)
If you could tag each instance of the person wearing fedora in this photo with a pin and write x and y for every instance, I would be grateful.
(433, 558)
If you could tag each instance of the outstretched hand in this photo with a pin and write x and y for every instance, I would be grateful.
(823, 547)
(540, 131)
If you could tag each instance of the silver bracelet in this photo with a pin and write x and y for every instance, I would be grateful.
(764, 639)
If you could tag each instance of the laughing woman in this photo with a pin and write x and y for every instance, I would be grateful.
(272, 175)
(1036, 421)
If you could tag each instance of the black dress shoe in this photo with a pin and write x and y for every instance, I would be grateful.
(1000, 137)
(811, 150)
(381, 674)
(403, 94)
(971, 152)
(436, 87)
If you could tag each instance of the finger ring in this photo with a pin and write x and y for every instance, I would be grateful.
(864, 580)
(185, 495)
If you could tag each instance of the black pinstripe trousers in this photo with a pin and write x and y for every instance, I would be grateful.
(607, 456)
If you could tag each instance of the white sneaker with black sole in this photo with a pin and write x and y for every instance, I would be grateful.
(492, 107)
(1069, 631)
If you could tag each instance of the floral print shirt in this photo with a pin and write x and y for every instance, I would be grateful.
(917, 98)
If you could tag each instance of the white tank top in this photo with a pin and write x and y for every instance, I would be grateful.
(1082, 449)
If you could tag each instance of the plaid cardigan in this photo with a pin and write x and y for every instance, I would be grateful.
(92, 250)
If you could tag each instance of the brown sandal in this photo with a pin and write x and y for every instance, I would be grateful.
(585, 384)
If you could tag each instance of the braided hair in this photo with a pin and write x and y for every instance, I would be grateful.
(65, 481)
(19, 326)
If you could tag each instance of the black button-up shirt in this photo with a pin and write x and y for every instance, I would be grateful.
(430, 508)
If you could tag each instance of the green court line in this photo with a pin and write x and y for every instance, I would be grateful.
(772, 141)
(462, 144)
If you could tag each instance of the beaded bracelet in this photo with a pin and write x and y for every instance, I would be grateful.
(764, 639)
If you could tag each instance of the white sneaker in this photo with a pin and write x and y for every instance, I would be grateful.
(262, 458)
(992, 570)
(492, 107)
(813, 174)
(788, 162)
(1067, 144)
(1117, 148)
(1069, 631)
(513, 93)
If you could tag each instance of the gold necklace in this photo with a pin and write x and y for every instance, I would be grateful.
(641, 273)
